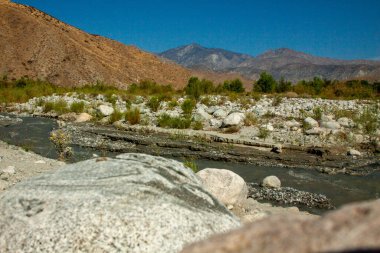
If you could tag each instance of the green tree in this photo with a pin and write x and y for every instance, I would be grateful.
(234, 86)
(283, 86)
(266, 83)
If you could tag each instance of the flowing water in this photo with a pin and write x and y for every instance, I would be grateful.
(33, 134)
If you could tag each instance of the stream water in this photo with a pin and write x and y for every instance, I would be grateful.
(33, 134)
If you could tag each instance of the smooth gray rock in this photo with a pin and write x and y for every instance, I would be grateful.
(333, 125)
(134, 203)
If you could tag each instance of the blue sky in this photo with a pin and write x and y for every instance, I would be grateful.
(346, 29)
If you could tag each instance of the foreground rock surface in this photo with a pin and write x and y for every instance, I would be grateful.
(134, 203)
(353, 228)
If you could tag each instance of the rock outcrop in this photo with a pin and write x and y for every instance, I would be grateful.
(354, 228)
(133, 203)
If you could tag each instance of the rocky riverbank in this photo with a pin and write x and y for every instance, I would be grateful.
(17, 165)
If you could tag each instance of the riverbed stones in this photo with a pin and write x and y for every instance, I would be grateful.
(228, 187)
(271, 182)
(311, 122)
(105, 110)
(133, 203)
(234, 119)
(353, 228)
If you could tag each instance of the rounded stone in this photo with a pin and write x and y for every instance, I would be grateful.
(271, 182)
(228, 187)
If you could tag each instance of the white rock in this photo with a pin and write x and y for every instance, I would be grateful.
(333, 125)
(353, 152)
(40, 162)
(83, 117)
(228, 187)
(292, 123)
(312, 122)
(9, 170)
(233, 119)
(215, 123)
(220, 113)
(315, 131)
(345, 122)
(201, 115)
(105, 110)
(271, 182)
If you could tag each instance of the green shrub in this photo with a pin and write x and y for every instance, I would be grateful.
(234, 86)
(317, 113)
(172, 104)
(266, 83)
(154, 103)
(197, 125)
(263, 133)
(191, 165)
(369, 119)
(115, 116)
(60, 106)
(277, 101)
(133, 116)
(77, 107)
(164, 120)
(188, 106)
(48, 107)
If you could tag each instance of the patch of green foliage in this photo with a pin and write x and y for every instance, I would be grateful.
(133, 116)
(188, 106)
(234, 86)
(77, 107)
(191, 165)
(115, 116)
(166, 121)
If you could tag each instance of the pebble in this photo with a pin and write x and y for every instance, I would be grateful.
(40, 162)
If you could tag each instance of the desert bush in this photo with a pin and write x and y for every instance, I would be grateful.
(61, 142)
(60, 106)
(115, 116)
(133, 116)
(172, 104)
(263, 133)
(250, 119)
(188, 106)
(77, 107)
(276, 100)
(265, 84)
(48, 107)
(317, 113)
(369, 119)
(197, 125)
(166, 121)
(154, 103)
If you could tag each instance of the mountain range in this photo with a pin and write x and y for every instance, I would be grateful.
(282, 62)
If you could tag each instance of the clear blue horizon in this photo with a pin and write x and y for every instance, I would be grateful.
(344, 29)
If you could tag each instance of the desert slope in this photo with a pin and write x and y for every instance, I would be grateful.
(36, 45)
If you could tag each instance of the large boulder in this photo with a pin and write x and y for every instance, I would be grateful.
(234, 119)
(228, 187)
(83, 117)
(353, 228)
(133, 203)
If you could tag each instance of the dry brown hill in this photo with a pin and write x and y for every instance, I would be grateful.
(36, 45)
